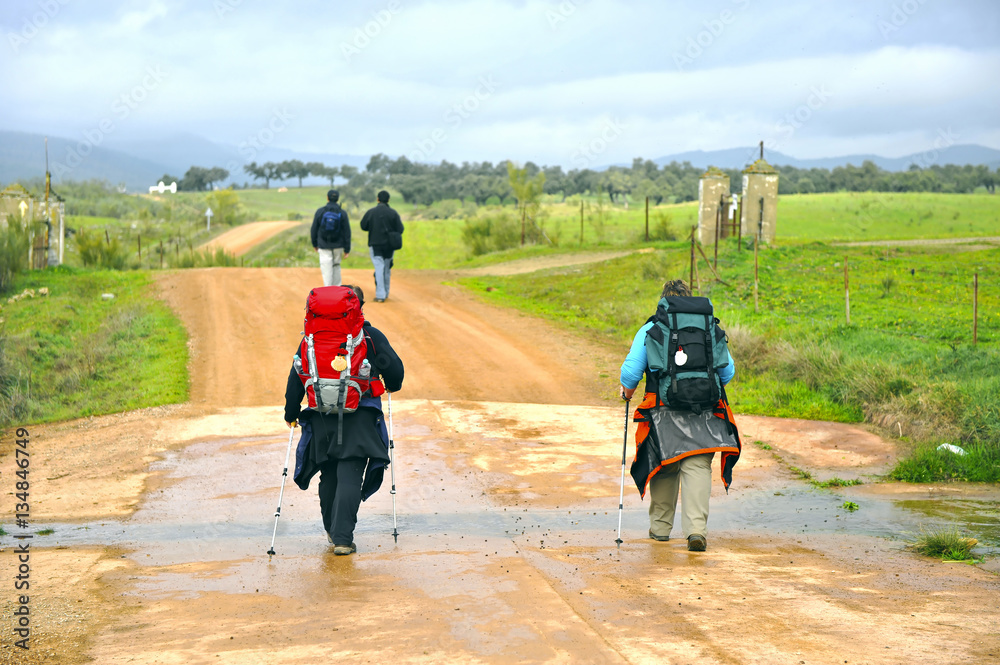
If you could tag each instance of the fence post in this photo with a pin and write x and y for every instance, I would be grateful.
(718, 231)
(847, 292)
(691, 278)
(975, 309)
(647, 219)
(138, 237)
(739, 224)
(107, 238)
(755, 277)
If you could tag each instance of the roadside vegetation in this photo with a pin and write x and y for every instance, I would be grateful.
(947, 544)
(73, 353)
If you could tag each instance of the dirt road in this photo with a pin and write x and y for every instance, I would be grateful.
(240, 240)
(508, 448)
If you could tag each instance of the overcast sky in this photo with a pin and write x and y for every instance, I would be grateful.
(576, 82)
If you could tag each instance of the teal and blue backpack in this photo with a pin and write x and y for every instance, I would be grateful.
(684, 349)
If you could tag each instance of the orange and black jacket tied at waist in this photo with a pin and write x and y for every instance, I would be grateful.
(665, 436)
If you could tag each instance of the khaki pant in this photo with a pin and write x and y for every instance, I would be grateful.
(693, 477)
(329, 265)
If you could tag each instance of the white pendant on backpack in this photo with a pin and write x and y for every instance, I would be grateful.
(680, 357)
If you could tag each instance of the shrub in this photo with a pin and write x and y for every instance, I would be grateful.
(204, 259)
(662, 227)
(491, 233)
(106, 252)
(14, 242)
(946, 543)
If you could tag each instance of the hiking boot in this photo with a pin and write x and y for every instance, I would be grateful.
(662, 539)
(697, 543)
(341, 550)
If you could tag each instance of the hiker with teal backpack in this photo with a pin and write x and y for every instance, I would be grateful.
(331, 238)
(684, 417)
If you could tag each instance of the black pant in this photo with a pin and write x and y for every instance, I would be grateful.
(340, 497)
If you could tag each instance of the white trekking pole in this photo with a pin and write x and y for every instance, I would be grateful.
(392, 472)
(621, 493)
(284, 474)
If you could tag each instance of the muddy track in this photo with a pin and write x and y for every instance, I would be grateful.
(508, 450)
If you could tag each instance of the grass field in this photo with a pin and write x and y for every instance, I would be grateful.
(842, 216)
(72, 354)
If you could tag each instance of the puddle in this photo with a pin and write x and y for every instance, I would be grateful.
(219, 499)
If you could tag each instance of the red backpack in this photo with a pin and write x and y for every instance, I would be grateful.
(333, 357)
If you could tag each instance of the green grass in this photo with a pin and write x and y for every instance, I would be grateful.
(437, 244)
(849, 506)
(835, 482)
(72, 354)
(945, 543)
(45, 532)
(981, 463)
(859, 216)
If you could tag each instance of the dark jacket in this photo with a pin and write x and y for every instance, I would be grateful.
(364, 431)
(378, 221)
(343, 237)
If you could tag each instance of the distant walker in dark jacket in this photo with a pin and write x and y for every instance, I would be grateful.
(331, 247)
(378, 222)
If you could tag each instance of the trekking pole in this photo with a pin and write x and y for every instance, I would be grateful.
(621, 493)
(392, 472)
(284, 474)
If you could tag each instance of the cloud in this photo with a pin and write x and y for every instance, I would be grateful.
(564, 69)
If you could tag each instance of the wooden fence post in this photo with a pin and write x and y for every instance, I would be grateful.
(975, 309)
(161, 255)
(847, 292)
(755, 276)
(739, 224)
(691, 278)
(647, 219)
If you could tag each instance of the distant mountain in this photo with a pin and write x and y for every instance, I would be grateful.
(181, 151)
(22, 156)
(140, 163)
(737, 158)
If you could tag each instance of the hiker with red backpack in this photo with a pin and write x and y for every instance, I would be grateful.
(331, 238)
(342, 366)
(684, 417)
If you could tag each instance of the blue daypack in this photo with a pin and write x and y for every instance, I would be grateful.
(329, 224)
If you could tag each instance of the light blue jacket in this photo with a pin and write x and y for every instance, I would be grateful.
(635, 362)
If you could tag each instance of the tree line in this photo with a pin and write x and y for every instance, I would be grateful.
(484, 182)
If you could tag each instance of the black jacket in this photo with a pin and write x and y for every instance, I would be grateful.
(341, 239)
(378, 221)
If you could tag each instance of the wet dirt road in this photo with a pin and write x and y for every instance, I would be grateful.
(507, 470)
